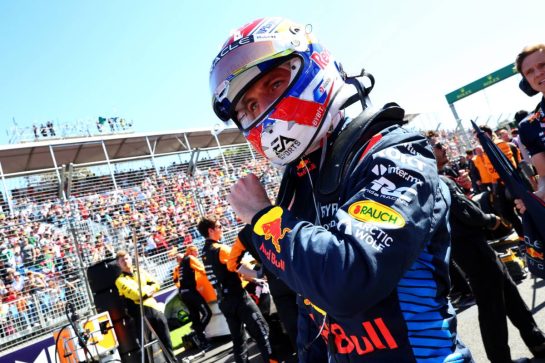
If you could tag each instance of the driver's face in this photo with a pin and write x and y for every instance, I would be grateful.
(261, 95)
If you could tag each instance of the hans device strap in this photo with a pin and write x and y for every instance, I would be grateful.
(349, 144)
(340, 156)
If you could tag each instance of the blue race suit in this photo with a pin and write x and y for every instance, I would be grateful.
(372, 268)
(532, 130)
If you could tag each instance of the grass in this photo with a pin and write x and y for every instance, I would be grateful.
(176, 335)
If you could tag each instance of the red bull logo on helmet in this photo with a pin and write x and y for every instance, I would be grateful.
(375, 213)
(270, 226)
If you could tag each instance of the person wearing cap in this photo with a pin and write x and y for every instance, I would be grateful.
(531, 65)
(359, 228)
(184, 276)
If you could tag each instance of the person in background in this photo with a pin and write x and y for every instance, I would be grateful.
(496, 294)
(503, 134)
(185, 279)
(284, 329)
(284, 298)
(127, 286)
(355, 258)
(473, 172)
(234, 302)
(503, 203)
(485, 178)
(531, 65)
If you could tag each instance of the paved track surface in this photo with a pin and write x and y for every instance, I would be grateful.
(468, 329)
(468, 325)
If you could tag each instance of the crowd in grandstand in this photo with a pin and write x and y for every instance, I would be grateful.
(40, 265)
(44, 130)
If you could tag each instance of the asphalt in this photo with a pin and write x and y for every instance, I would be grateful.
(532, 291)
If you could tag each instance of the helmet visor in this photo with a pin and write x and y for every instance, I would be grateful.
(264, 92)
(242, 55)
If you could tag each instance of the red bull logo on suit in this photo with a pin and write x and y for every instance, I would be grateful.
(270, 226)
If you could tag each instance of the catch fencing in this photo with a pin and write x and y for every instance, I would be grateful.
(55, 223)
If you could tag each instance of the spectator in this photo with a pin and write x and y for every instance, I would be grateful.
(35, 236)
(6, 322)
(18, 282)
(51, 128)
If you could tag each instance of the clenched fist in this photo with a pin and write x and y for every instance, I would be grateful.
(248, 197)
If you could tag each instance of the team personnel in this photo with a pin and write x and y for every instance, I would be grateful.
(234, 302)
(360, 229)
(184, 277)
(531, 65)
(284, 298)
(495, 292)
(127, 285)
(502, 202)
(484, 175)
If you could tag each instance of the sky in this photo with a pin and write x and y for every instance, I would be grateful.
(149, 61)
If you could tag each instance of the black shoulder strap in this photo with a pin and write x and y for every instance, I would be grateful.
(347, 145)
(286, 189)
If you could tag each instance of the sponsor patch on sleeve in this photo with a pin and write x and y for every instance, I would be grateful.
(378, 214)
(270, 227)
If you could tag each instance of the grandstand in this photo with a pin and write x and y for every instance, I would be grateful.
(66, 204)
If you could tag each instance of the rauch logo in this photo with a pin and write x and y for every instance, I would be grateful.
(377, 214)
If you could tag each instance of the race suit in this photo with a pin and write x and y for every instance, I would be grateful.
(532, 131)
(372, 268)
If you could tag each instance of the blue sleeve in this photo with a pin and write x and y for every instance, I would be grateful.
(380, 230)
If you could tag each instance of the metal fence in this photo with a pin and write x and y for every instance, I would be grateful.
(60, 221)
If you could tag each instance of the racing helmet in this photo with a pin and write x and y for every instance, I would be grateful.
(300, 77)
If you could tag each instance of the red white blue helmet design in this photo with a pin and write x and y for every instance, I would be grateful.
(301, 116)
